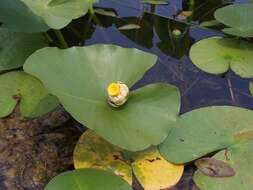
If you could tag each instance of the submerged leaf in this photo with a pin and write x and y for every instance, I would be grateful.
(154, 172)
(214, 168)
(238, 17)
(15, 48)
(87, 179)
(92, 151)
(79, 77)
(217, 55)
(20, 87)
(239, 158)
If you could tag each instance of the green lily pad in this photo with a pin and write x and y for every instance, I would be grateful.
(238, 17)
(151, 169)
(58, 13)
(217, 55)
(87, 179)
(79, 77)
(34, 99)
(239, 158)
(15, 48)
(92, 151)
(16, 16)
(251, 88)
(37, 16)
(206, 130)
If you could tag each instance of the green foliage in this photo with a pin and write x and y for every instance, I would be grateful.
(217, 55)
(149, 167)
(40, 15)
(16, 47)
(87, 179)
(238, 18)
(20, 87)
(79, 78)
(239, 157)
(211, 129)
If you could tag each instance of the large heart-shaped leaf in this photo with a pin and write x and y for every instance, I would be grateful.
(87, 179)
(92, 151)
(16, 16)
(40, 15)
(216, 55)
(206, 130)
(16, 47)
(151, 169)
(238, 17)
(79, 77)
(34, 99)
(239, 158)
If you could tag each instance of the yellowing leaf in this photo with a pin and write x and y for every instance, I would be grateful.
(154, 172)
(94, 152)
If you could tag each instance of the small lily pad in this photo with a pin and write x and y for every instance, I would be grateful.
(239, 158)
(154, 172)
(20, 87)
(217, 55)
(238, 17)
(79, 77)
(214, 168)
(15, 48)
(92, 151)
(87, 179)
(151, 169)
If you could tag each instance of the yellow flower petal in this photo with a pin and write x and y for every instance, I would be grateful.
(113, 89)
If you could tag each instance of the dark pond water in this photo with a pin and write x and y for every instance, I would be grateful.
(198, 89)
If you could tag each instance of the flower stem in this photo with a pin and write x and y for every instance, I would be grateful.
(61, 38)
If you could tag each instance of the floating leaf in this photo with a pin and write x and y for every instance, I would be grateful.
(16, 47)
(239, 158)
(105, 12)
(216, 55)
(214, 168)
(79, 77)
(92, 151)
(210, 23)
(196, 135)
(34, 99)
(36, 16)
(238, 17)
(87, 179)
(156, 2)
(57, 14)
(129, 27)
(16, 16)
(251, 88)
(154, 172)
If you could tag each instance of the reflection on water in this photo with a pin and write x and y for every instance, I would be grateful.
(155, 35)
